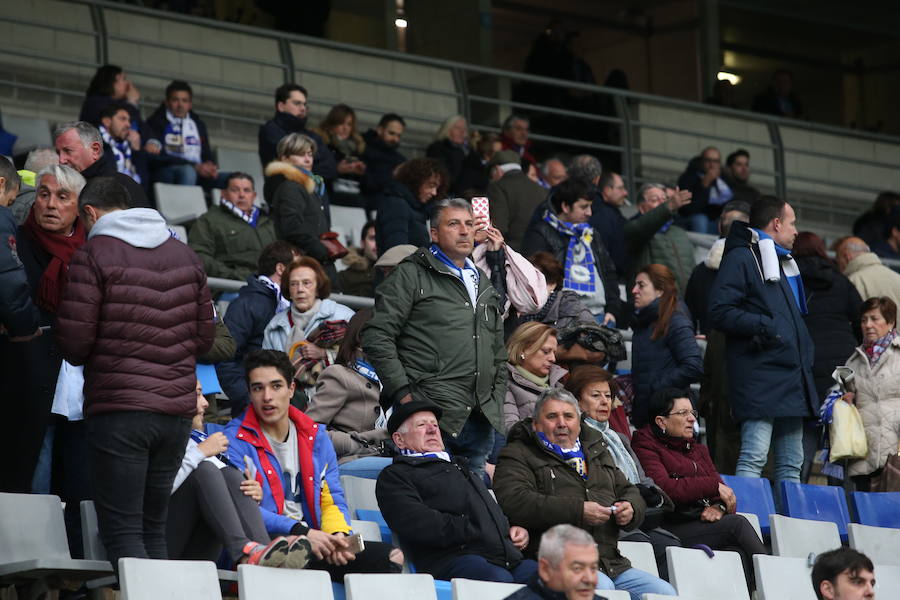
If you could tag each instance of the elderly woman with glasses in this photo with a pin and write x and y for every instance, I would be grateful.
(681, 466)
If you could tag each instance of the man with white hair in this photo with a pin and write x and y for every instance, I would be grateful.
(37, 159)
(553, 172)
(80, 146)
(865, 270)
(568, 563)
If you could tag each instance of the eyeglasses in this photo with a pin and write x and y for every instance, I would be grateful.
(684, 413)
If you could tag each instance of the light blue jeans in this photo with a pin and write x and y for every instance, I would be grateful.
(636, 583)
(756, 437)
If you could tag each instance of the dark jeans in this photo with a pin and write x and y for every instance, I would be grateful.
(473, 566)
(475, 441)
(209, 511)
(374, 559)
(134, 456)
(70, 480)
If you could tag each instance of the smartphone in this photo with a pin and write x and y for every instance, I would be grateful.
(249, 468)
(481, 208)
(355, 543)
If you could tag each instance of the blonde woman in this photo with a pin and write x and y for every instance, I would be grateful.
(532, 369)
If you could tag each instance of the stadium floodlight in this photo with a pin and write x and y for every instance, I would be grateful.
(729, 77)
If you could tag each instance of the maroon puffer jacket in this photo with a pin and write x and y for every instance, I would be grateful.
(136, 317)
(682, 468)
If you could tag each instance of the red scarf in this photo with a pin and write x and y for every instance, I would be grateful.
(61, 247)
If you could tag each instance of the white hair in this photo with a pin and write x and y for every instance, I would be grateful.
(554, 542)
(442, 205)
(67, 178)
(87, 133)
(41, 157)
(553, 393)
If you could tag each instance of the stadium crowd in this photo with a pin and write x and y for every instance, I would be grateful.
(488, 362)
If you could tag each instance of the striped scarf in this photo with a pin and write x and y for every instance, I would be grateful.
(580, 274)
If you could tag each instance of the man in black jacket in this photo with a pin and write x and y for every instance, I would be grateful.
(381, 155)
(445, 520)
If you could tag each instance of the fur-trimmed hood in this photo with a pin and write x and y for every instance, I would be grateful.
(292, 173)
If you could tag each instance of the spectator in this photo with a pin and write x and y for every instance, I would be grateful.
(347, 399)
(651, 236)
(450, 147)
(832, 321)
(121, 142)
(607, 219)
(553, 172)
(865, 270)
(315, 324)
(736, 176)
(179, 149)
(554, 471)
(388, 261)
(779, 98)
(19, 318)
(290, 117)
(214, 507)
(758, 304)
(37, 160)
(381, 155)
(531, 369)
(563, 307)
(876, 364)
(514, 137)
(843, 574)
(474, 179)
(889, 246)
(338, 132)
(594, 388)
(45, 244)
(704, 505)
(298, 470)
(513, 197)
(664, 351)
(247, 317)
(444, 518)
(870, 225)
(703, 178)
(403, 204)
(294, 194)
(696, 294)
(567, 567)
(137, 427)
(110, 85)
(79, 145)
(427, 342)
(564, 231)
(358, 278)
(228, 238)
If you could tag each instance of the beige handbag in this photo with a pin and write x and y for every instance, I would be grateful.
(847, 434)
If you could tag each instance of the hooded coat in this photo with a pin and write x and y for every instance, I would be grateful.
(136, 312)
(296, 209)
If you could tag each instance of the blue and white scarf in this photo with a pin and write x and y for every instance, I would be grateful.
(182, 138)
(122, 153)
(282, 303)
(441, 455)
(580, 274)
(366, 370)
(574, 457)
(468, 274)
(250, 219)
(791, 271)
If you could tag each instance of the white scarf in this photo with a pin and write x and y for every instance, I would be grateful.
(182, 138)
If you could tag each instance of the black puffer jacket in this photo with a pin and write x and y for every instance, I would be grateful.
(833, 318)
(296, 209)
(440, 511)
(381, 160)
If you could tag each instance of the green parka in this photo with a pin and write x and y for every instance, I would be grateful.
(427, 340)
(537, 490)
(228, 246)
(646, 244)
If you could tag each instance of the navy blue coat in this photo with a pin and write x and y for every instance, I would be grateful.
(769, 352)
(401, 219)
(608, 222)
(246, 319)
(17, 313)
(672, 360)
(381, 160)
(271, 132)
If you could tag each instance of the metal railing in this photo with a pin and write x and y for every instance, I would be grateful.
(485, 110)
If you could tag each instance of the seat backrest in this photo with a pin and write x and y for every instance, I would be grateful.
(264, 583)
(365, 586)
(31, 526)
(369, 530)
(148, 579)
(181, 232)
(783, 578)
(30, 131)
(614, 594)
(245, 161)
(880, 509)
(887, 581)
(816, 502)
(179, 204)
(359, 493)
(469, 589)
(90, 532)
(801, 537)
(641, 556)
(881, 544)
(348, 221)
(690, 570)
(754, 495)
(754, 522)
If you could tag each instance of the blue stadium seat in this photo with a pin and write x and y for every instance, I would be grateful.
(375, 515)
(754, 495)
(817, 503)
(879, 509)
